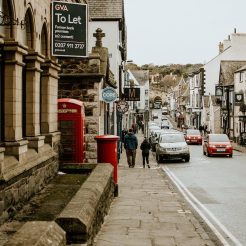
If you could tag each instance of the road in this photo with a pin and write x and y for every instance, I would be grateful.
(216, 186)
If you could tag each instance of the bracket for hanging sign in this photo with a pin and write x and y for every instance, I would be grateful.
(6, 20)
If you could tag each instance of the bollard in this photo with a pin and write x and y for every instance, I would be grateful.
(107, 153)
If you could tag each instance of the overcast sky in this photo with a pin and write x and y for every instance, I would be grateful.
(180, 31)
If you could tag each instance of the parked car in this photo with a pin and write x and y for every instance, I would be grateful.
(164, 110)
(163, 117)
(193, 137)
(165, 124)
(154, 138)
(151, 129)
(155, 116)
(172, 146)
(217, 145)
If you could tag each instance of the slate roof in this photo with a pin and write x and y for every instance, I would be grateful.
(206, 101)
(142, 76)
(105, 9)
(227, 70)
(214, 101)
(241, 69)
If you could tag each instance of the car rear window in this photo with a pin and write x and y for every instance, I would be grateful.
(193, 132)
(219, 138)
(172, 138)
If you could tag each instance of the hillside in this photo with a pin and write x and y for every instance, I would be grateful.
(163, 70)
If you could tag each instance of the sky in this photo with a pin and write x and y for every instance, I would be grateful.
(180, 31)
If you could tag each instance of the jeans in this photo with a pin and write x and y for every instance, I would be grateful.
(145, 158)
(131, 156)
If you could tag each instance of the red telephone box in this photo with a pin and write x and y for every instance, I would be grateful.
(71, 124)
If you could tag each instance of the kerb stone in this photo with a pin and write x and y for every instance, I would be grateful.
(38, 233)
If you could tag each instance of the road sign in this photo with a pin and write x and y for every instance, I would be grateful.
(122, 106)
(109, 94)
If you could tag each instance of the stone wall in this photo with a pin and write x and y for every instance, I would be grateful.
(19, 187)
(85, 91)
(84, 214)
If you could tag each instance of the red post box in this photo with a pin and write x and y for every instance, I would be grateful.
(71, 124)
(107, 152)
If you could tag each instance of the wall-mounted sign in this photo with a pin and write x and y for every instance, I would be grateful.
(109, 94)
(132, 94)
(69, 29)
(67, 110)
(218, 90)
(238, 97)
(122, 106)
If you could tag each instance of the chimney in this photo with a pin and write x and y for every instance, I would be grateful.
(221, 47)
(229, 37)
(235, 30)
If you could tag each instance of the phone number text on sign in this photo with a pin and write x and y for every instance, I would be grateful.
(69, 45)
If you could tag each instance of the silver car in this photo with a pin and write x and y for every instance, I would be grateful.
(172, 146)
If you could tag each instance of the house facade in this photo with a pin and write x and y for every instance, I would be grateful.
(232, 49)
(240, 104)
(109, 17)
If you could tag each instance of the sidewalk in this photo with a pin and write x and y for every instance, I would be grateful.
(149, 211)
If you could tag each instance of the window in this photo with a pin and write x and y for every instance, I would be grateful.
(241, 77)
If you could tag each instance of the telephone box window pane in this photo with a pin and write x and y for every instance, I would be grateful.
(68, 140)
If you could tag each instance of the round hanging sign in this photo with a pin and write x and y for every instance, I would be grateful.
(122, 106)
(109, 94)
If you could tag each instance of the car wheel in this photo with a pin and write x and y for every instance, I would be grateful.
(230, 155)
(158, 159)
(187, 159)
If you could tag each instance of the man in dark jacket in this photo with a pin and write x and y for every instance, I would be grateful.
(130, 144)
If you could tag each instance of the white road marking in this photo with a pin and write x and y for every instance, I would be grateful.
(195, 203)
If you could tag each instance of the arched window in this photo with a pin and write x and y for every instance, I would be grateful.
(6, 8)
(28, 38)
(44, 41)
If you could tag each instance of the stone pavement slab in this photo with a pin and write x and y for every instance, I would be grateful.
(149, 211)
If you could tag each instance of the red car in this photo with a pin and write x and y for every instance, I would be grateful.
(193, 136)
(217, 145)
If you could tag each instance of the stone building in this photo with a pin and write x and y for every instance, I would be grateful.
(28, 110)
(84, 79)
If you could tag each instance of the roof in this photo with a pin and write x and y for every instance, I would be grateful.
(214, 100)
(206, 101)
(241, 69)
(142, 76)
(105, 9)
(227, 70)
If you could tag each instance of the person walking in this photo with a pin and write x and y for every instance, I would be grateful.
(123, 134)
(130, 145)
(145, 147)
